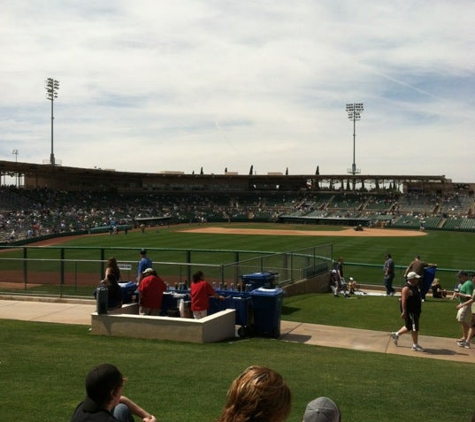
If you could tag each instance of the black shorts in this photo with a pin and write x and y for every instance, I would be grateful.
(411, 321)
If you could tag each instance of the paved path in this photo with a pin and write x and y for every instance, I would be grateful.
(79, 312)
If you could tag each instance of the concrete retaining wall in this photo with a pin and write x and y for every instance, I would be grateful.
(126, 322)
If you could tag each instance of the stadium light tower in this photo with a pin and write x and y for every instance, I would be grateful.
(51, 86)
(354, 113)
(15, 153)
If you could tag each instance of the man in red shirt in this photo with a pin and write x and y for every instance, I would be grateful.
(201, 290)
(151, 290)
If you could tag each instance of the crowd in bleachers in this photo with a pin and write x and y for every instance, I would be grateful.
(32, 213)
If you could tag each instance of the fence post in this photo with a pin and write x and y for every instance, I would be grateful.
(236, 268)
(25, 268)
(292, 267)
(188, 267)
(103, 254)
(222, 273)
(61, 270)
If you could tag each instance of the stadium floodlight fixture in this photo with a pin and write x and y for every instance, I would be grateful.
(51, 86)
(354, 111)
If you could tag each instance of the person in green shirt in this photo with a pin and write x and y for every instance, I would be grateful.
(464, 314)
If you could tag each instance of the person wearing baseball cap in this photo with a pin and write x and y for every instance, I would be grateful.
(411, 306)
(418, 266)
(143, 264)
(322, 409)
(151, 290)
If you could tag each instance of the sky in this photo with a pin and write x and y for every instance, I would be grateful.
(185, 85)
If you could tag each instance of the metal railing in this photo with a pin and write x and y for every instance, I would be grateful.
(76, 271)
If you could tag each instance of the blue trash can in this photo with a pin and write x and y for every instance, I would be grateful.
(429, 275)
(241, 303)
(102, 299)
(256, 280)
(267, 308)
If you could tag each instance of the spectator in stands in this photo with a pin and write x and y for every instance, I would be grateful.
(113, 268)
(322, 409)
(388, 270)
(259, 394)
(201, 291)
(144, 263)
(12, 236)
(151, 290)
(104, 401)
(437, 290)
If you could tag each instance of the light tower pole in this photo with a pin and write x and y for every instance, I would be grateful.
(51, 86)
(15, 153)
(354, 113)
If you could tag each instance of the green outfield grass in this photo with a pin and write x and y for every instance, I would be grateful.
(363, 256)
(43, 365)
(450, 250)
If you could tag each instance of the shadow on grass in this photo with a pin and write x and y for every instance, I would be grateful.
(289, 310)
(295, 338)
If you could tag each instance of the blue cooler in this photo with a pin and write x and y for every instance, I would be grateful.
(267, 307)
(129, 292)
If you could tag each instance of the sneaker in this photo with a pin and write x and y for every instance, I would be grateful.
(417, 348)
(466, 345)
(395, 337)
(461, 343)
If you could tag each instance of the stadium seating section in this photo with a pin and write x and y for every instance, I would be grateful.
(33, 213)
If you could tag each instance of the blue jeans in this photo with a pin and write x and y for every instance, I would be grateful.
(122, 413)
(388, 282)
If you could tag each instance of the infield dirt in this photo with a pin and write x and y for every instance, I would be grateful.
(333, 233)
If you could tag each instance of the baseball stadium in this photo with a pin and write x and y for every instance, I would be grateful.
(61, 224)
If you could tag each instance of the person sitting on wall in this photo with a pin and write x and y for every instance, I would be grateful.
(437, 290)
(352, 286)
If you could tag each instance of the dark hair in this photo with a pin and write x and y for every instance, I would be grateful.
(198, 276)
(102, 381)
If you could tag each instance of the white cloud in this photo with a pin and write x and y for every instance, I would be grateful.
(156, 85)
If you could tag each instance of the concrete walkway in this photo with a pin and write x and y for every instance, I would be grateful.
(79, 312)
